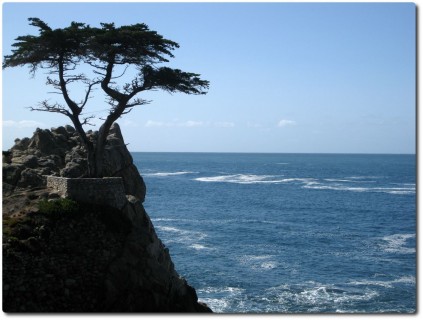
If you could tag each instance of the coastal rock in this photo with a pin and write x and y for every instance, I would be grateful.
(97, 259)
(158, 287)
(119, 163)
(58, 152)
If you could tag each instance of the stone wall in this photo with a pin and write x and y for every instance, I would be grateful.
(104, 191)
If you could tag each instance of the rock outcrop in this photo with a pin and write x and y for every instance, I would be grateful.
(59, 152)
(97, 259)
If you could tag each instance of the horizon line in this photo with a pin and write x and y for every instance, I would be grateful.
(259, 152)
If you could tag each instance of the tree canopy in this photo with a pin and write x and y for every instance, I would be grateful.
(106, 49)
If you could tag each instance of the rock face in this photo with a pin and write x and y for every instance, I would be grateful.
(58, 152)
(99, 259)
(158, 287)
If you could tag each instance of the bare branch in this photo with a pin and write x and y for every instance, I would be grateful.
(73, 78)
(124, 71)
(87, 94)
(127, 111)
(71, 104)
(138, 102)
(86, 120)
(46, 107)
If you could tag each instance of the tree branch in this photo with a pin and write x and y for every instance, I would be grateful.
(86, 121)
(87, 94)
(116, 95)
(46, 107)
(72, 105)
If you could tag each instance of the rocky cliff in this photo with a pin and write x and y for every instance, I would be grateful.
(82, 257)
(59, 152)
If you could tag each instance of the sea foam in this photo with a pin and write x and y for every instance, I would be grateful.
(167, 174)
(396, 243)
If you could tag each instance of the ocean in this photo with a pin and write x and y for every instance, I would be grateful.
(288, 233)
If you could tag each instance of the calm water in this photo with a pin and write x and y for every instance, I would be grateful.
(288, 232)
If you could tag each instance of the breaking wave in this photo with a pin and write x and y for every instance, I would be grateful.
(167, 174)
(172, 234)
(220, 299)
(396, 243)
(338, 184)
(340, 187)
(262, 262)
(386, 284)
(251, 179)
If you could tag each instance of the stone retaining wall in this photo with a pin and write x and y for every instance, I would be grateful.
(108, 191)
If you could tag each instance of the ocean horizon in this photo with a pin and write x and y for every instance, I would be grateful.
(288, 232)
(292, 153)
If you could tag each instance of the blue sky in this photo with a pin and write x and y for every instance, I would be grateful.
(284, 77)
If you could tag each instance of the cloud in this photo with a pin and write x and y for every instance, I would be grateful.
(22, 124)
(224, 124)
(191, 123)
(188, 124)
(151, 124)
(284, 123)
(174, 123)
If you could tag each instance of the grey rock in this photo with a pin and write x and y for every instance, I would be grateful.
(43, 140)
(12, 173)
(125, 269)
(70, 129)
(30, 161)
(31, 178)
(59, 152)
(60, 131)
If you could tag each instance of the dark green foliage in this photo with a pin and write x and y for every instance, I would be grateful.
(59, 207)
(49, 47)
(105, 48)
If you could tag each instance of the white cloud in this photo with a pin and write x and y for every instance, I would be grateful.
(224, 124)
(22, 124)
(151, 124)
(174, 123)
(284, 123)
(190, 123)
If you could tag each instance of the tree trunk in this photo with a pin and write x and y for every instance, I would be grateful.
(103, 132)
(91, 153)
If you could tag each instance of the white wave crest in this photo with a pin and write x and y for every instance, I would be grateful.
(319, 186)
(396, 243)
(387, 284)
(253, 179)
(265, 262)
(341, 180)
(309, 183)
(364, 177)
(340, 187)
(317, 296)
(167, 174)
(219, 298)
(198, 246)
(240, 178)
(172, 234)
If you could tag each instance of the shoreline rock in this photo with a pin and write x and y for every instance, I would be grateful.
(98, 259)
(58, 152)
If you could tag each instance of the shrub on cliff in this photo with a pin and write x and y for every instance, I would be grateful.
(58, 207)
